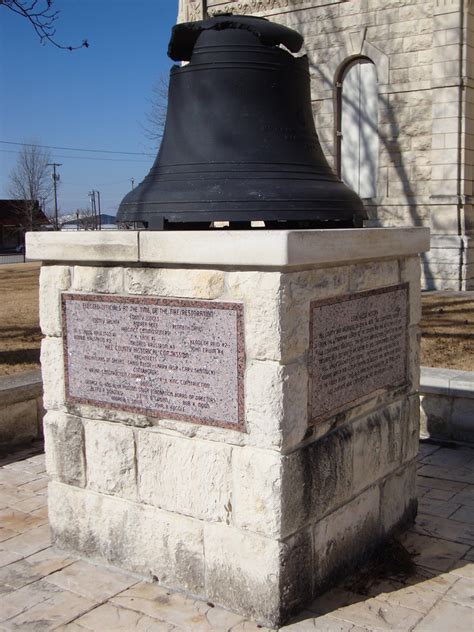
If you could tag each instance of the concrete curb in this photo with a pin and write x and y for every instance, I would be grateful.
(447, 404)
(21, 408)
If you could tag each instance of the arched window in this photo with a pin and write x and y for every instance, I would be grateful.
(357, 127)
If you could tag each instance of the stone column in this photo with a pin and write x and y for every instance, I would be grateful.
(303, 461)
(450, 262)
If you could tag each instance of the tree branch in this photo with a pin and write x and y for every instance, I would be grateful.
(41, 19)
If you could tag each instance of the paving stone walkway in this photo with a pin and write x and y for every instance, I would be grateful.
(45, 589)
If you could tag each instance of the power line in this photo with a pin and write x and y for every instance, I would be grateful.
(99, 184)
(98, 151)
(13, 151)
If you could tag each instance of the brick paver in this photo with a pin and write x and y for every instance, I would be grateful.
(42, 588)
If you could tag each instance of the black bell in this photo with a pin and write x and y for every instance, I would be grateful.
(239, 143)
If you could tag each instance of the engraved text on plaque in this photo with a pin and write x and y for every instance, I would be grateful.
(358, 346)
(181, 359)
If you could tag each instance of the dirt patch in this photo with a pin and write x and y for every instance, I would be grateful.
(447, 327)
(20, 335)
(447, 324)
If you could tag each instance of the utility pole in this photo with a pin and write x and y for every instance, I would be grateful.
(98, 204)
(94, 210)
(132, 180)
(55, 177)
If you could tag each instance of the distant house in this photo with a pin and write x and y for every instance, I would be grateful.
(16, 218)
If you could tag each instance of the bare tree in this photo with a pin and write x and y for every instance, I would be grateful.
(84, 217)
(42, 15)
(156, 117)
(87, 219)
(30, 185)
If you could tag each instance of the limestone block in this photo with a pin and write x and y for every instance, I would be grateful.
(86, 245)
(204, 284)
(444, 220)
(64, 448)
(109, 414)
(110, 454)
(444, 69)
(98, 279)
(430, 283)
(403, 60)
(260, 577)
(402, 28)
(449, 52)
(410, 272)
(189, 477)
(444, 156)
(177, 557)
(443, 269)
(424, 143)
(398, 501)
(448, 10)
(399, 75)
(445, 126)
(207, 433)
(138, 538)
(257, 491)
(415, 12)
(346, 537)
(261, 294)
(425, 56)
(18, 423)
(377, 444)
(446, 95)
(417, 43)
(298, 290)
(414, 337)
(444, 172)
(367, 276)
(443, 187)
(317, 479)
(53, 280)
(282, 248)
(52, 371)
(276, 401)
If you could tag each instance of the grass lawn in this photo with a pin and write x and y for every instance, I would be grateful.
(447, 325)
(20, 335)
(447, 330)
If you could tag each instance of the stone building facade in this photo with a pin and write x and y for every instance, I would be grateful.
(394, 80)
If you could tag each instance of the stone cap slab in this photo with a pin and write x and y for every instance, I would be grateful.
(449, 382)
(451, 241)
(87, 245)
(252, 248)
(20, 387)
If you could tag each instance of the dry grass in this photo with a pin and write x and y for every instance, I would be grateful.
(20, 334)
(447, 329)
(447, 324)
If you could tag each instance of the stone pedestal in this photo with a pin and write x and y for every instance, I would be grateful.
(314, 465)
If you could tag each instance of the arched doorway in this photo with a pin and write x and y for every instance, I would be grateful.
(357, 127)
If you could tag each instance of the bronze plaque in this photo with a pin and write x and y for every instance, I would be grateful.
(358, 345)
(174, 358)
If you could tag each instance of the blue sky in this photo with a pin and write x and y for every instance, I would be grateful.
(94, 98)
